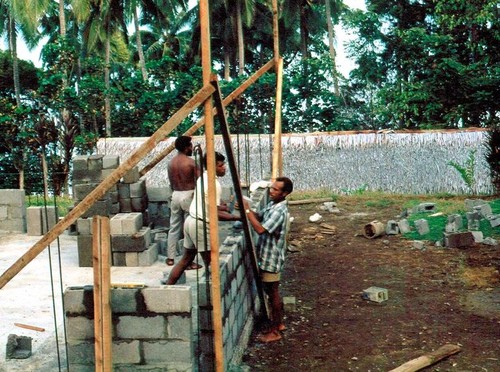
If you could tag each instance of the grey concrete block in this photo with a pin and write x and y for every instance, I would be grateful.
(179, 327)
(149, 256)
(126, 223)
(418, 244)
(167, 351)
(494, 220)
(73, 301)
(84, 226)
(18, 347)
(126, 352)
(84, 243)
(12, 197)
(131, 259)
(86, 176)
(478, 236)
(81, 353)
(139, 204)
(99, 208)
(404, 226)
(119, 259)
(132, 175)
(124, 300)
(137, 327)
(80, 162)
(94, 162)
(138, 242)
(159, 194)
(125, 205)
(484, 210)
(79, 328)
(123, 191)
(34, 221)
(138, 189)
(392, 228)
(110, 161)
(422, 226)
(168, 299)
(473, 220)
(425, 208)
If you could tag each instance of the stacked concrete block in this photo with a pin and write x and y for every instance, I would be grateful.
(39, 220)
(237, 299)
(151, 328)
(131, 243)
(159, 206)
(88, 173)
(12, 210)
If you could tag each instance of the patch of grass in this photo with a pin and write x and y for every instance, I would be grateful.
(379, 203)
(63, 203)
(480, 277)
(313, 194)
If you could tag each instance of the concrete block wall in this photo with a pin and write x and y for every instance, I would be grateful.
(12, 210)
(159, 206)
(39, 220)
(151, 328)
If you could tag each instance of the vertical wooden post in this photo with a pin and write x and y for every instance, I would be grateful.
(277, 151)
(212, 210)
(102, 287)
(276, 39)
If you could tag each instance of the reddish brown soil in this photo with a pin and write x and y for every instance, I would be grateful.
(430, 304)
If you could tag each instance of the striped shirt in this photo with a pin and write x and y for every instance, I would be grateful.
(271, 245)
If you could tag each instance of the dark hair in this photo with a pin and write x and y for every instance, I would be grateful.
(287, 184)
(218, 157)
(182, 143)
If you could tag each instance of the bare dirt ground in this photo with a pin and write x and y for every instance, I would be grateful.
(431, 300)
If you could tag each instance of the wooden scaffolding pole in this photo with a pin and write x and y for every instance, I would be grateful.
(277, 161)
(107, 183)
(213, 221)
(101, 259)
(230, 98)
(226, 136)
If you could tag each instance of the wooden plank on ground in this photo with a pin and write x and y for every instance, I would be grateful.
(309, 201)
(106, 184)
(428, 359)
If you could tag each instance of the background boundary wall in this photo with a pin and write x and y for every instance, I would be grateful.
(345, 162)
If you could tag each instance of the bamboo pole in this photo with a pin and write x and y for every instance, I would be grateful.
(276, 38)
(428, 359)
(106, 184)
(230, 98)
(102, 286)
(277, 152)
(212, 204)
(226, 135)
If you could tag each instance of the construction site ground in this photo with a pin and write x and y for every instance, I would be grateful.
(436, 296)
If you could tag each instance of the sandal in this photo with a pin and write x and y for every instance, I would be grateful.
(194, 266)
(170, 262)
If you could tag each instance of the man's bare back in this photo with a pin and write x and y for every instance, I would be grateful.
(182, 173)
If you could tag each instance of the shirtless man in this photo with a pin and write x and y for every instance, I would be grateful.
(182, 174)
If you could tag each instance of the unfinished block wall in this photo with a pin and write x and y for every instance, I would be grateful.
(12, 210)
(152, 328)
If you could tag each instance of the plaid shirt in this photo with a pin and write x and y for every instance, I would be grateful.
(271, 245)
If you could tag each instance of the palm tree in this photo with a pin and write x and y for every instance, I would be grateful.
(337, 6)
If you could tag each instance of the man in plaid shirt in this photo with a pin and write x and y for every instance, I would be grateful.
(271, 225)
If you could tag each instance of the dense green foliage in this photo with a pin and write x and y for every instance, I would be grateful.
(420, 64)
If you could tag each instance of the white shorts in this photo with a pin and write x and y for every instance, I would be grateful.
(194, 234)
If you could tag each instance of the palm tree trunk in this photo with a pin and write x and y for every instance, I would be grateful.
(227, 66)
(107, 100)
(142, 60)
(333, 54)
(15, 60)
(241, 46)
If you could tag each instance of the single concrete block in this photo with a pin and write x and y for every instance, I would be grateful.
(125, 205)
(110, 162)
(494, 220)
(124, 300)
(404, 226)
(138, 189)
(80, 162)
(478, 236)
(376, 294)
(159, 194)
(459, 240)
(123, 191)
(84, 226)
(119, 259)
(81, 353)
(99, 208)
(126, 352)
(179, 327)
(471, 203)
(422, 226)
(94, 162)
(138, 204)
(84, 243)
(425, 208)
(132, 223)
(138, 242)
(168, 299)
(131, 259)
(418, 244)
(149, 256)
(115, 208)
(34, 221)
(74, 300)
(86, 176)
(392, 228)
(12, 197)
(79, 328)
(289, 303)
(473, 220)
(490, 241)
(484, 210)
(132, 175)
(134, 327)
(18, 347)
(168, 352)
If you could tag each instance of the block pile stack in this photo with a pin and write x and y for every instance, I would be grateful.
(132, 195)
(159, 206)
(12, 210)
(39, 220)
(131, 243)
